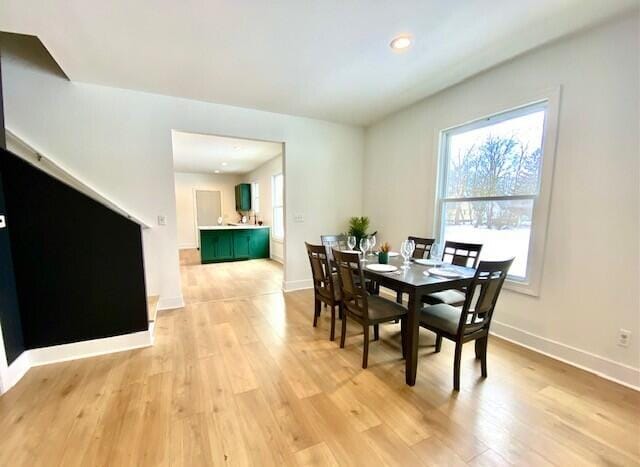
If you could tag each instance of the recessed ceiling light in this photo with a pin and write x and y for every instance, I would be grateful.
(216, 171)
(223, 164)
(400, 43)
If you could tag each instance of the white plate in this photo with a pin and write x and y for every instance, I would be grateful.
(393, 253)
(382, 267)
(428, 262)
(442, 272)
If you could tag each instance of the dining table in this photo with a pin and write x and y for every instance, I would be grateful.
(416, 281)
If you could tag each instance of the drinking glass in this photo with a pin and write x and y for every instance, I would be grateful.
(435, 251)
(372, 244)
(364, 246)
(351, 242)
(412, 247)
(405, 252)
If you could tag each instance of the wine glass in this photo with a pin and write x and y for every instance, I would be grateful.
(372, 244)
(405, 252)
(351, 242)
(411, 245)
(435, 251)
(364, 246)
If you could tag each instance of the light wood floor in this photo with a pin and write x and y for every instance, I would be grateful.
(249, 381)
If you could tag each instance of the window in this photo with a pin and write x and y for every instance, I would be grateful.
(255, 195)
(277, 185)
(491, 174)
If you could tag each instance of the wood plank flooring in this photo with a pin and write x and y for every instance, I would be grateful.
(240, 377)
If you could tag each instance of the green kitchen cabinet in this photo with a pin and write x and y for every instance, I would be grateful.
(243, 197)
(259, 243)
(216, 246)
(241, 244)
(219, 245)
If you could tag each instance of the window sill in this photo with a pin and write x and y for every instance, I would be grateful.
(525, 288)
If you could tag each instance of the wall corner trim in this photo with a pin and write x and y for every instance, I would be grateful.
(290, 286)
(170, 303)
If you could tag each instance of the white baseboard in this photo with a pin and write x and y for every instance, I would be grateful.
(601, 366)
(279, 259)
(14, 372)
(73, 351)
(188, 246)
(290, 286)
(91, 348)
(170, 303)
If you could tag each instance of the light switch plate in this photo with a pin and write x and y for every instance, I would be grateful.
(3, 222)
(298, 218)
(162, 220)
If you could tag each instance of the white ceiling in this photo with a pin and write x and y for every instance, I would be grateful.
(198, 153)
(326, 59)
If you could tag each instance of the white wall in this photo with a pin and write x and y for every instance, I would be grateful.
(262, 175)
(590, 277)
(186, 184)
(120, 142)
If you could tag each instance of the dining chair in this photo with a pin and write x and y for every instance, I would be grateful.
(423, 247)
(325, 285)
(472, 322)
(366, 309)
(339, 242)
(458, 254)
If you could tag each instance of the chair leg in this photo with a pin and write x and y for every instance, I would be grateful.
(456, 366)
(478, 345)
(483, 357)
(438, 342)
(332, 336)
(344, 330)
(376, 332)
(340, 311)
(365, 353)
(316, 313)
(399, 298)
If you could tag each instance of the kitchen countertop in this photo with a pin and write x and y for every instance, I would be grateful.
(232, 227)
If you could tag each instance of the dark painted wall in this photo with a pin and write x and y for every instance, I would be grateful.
(9, 311)
(78, 265)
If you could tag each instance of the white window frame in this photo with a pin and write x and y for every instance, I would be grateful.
(535, 261)
(274, 205)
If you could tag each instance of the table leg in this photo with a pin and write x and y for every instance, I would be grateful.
(411, 362)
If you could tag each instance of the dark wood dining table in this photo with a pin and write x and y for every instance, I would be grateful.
(415, 283)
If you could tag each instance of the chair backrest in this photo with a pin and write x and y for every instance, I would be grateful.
(462, 254)
(482, 295)
(423, 247)
(339, 242)
(320, 269)
(352, 284)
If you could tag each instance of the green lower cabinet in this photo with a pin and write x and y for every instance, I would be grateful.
(259, 243)
(241, 244)
(233, 245)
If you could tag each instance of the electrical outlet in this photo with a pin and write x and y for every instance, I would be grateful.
(162, 220)
(624, 336)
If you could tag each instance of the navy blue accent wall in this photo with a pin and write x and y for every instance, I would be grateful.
(78, 265)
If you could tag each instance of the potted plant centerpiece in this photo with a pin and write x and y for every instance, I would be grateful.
(358, 227)
(383, 255)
